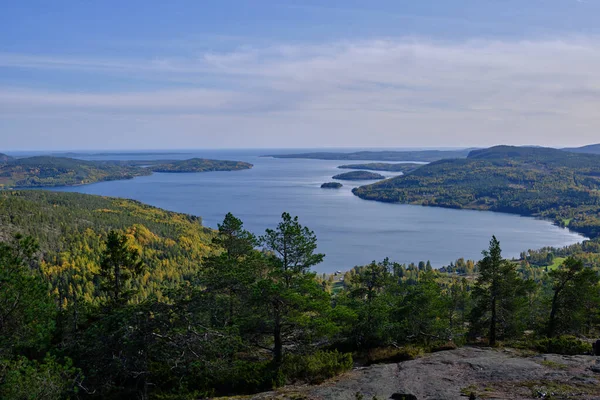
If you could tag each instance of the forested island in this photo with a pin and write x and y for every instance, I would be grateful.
(106, 298)
(331, 185)
(200, 165)
(549, 183)
(402, 167)
(358, 176)
(48, 171)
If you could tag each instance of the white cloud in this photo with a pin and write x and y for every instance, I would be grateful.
(394, 92)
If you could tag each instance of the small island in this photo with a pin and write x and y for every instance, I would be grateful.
(200, 165)
(331, 185)
(359, 176)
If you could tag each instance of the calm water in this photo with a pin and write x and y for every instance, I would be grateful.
(350, 231)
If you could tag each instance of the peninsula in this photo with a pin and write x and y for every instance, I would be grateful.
(48, 171)
(548, 183)
(397, 167)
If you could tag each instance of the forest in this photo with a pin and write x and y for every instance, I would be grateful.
(46, 171)
(548, 183)
(112, 299)
(49, 171)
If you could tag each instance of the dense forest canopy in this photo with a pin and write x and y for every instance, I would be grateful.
(70, 229)
(401, 167)
(107, 298)
(549, 183)
(48, 171)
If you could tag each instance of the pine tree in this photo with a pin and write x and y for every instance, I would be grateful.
(499, 294)
(119, 264)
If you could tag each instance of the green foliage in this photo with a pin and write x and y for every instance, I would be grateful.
(575, 297)
(568, 345)
(26, 309)
(23, 379)
(317, 367)
(500, 297)
(72, 230)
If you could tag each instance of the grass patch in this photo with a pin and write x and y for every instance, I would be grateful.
(557, 263)
(547, 389)
(553, 365)
(383, 355)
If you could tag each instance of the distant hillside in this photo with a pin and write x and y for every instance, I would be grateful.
(416, 155)
(550, 183)
(403, 167)
(4, 158)
(45, 171)
(200, 165)
(591, 149)
(48, 171)
(71, 228)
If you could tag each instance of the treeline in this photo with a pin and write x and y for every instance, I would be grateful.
(251, 315)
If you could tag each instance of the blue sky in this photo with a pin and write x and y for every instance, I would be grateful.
(192, 74)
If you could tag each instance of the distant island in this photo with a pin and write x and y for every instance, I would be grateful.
(532, 181)
(200, 165)
(331, 185)
(358, 176)
(387, 155)
(48, 171)
(403, 167)
(4, 158)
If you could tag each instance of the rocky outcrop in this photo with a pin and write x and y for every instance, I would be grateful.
(468, 372)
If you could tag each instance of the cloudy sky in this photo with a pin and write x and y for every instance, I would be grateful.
(298, 73)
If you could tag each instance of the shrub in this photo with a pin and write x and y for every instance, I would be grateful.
(567, 345)
(393, 354)
(317, 367)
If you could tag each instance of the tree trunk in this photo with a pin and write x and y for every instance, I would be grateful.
(278, 345)
(552, 321)
(493, 323)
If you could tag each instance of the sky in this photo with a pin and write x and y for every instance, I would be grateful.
(177, 74)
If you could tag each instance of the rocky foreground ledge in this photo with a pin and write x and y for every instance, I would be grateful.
(455, 374)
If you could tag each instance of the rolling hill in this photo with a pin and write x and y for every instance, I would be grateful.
(543, 182)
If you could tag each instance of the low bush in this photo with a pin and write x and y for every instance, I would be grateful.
(567, 345)
(317, 367)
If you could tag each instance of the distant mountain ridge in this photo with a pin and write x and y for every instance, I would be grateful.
(590, 149)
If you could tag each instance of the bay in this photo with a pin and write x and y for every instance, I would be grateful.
(350, 231)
